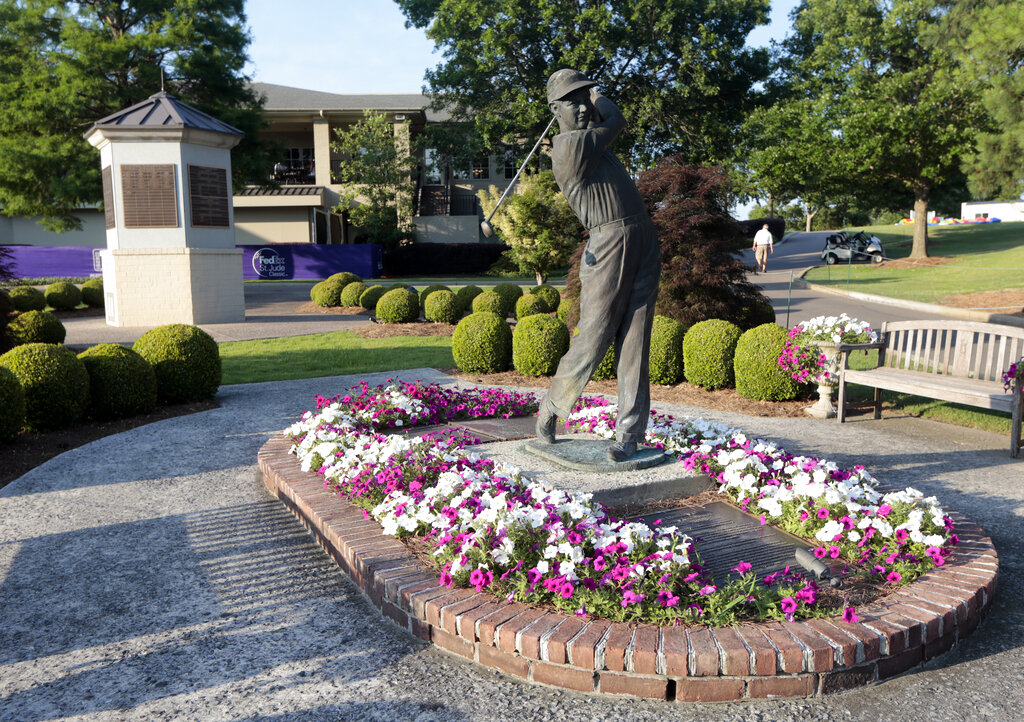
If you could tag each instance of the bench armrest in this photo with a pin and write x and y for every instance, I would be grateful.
(846, 348)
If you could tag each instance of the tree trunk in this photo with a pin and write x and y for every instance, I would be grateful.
(541, 278)
(771, 206)
(810, 217)
(919, 249)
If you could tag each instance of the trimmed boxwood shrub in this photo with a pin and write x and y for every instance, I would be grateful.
(26, 298)
(429, 290)
(399, 305)
(510, 293)
(607, 368)
(55, 383)
(550, 295)
(121, 382)
(666, 362)
(482, 343)
(12, 401)
(442, 307)
(466, 294)
(344, 278)
(92, 293)
(489, 302)
(756, 365)
(371, 295)
(708, 349)
(538, 342)
(327, 293)
(185, 359)
(530, 305)
(36, 327)
(351, 294)
(564, 307)
(62, 295)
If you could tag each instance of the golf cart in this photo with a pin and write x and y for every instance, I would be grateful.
(858, 247)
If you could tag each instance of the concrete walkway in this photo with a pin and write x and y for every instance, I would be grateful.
(148, 575)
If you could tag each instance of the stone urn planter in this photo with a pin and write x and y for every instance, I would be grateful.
(828, 379)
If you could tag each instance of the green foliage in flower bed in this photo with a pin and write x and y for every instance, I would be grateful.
(756, 365)
(708, 349)
(26, 298)
(550, 295)
(92, 293)
(529, 305)
(62, 295)
(121, 382)
(399, 305)
(344, 278)
(510, 293)
(538, 343)
(351, 294)
(371, 295)
(185, 359)
(482, 343)
(666, 362)
(327, 293)
(466, 294)
(12, 401)
(36, 327)
(489, 302)
(429, 290)
(55, 383)
(442, 306)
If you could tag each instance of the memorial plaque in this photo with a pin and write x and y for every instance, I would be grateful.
(149, 197)
(208, 196)
(108, 197)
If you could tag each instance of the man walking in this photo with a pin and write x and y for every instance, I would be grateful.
(764, 244)
(620, 266)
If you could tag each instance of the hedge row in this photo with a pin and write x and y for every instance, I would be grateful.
(60, 295)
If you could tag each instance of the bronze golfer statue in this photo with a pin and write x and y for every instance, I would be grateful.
(620, 265)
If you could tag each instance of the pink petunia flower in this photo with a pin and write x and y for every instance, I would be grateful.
(850, 616)
(742, 567)
(893, 577)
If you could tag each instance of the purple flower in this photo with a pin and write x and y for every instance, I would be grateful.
(742, 567)
(632, 598)
(708, 589)
(893, 577)
(788, 606)
(820, 552)
(850, 616)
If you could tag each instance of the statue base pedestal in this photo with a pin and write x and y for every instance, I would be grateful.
(591, 455)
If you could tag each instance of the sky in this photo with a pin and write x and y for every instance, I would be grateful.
(363, 46)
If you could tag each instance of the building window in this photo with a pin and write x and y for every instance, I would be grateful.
(510, 164)
(481, 168)
(431, 167)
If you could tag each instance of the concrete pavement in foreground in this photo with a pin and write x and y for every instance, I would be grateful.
(149, 575)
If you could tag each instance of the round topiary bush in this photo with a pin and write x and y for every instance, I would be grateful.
(564, 308)
(708, 349)
(344, 278)
(550, 295)
(55, 383)
(538, 342)
(756, 365)
(351, 294)
(327, 293)
(530, 305)
(510, 293)
(489, 302)
(759, 312)
(26, 298)
(482, 343)
(466, 294)
(36, 327)
(92, 293)
(185, 359)
(666, 362)
(442, 307)
(607, 368)
(121, 382)
(398, 306)
(12, 401)
(429, 290)
(370, 297)
(62, 295)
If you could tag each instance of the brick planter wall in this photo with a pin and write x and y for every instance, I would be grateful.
(685, 664)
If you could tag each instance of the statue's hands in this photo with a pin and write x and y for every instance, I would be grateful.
(595, 95)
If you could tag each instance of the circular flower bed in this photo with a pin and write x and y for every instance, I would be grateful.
(490, 528)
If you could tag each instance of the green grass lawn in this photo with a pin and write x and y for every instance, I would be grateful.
(329, 354)
(986, 258)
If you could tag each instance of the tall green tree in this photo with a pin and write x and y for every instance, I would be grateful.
(64, 65)
(885, 74)
(679, 70)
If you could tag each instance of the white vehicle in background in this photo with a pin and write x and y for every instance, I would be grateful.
(842, 247)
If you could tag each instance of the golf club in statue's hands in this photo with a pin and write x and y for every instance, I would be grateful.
(485, 227)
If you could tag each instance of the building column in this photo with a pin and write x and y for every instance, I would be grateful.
(403, 142)
(322, 151)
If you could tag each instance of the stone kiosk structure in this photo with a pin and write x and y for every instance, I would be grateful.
(171, 255)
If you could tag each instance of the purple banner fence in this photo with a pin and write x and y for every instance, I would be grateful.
(282, 262)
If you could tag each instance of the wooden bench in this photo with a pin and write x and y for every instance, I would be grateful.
(957, 361)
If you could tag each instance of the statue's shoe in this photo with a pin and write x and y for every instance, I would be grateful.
(546, 420)
(622, 450)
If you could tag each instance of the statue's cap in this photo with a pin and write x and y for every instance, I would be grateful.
(564, 81)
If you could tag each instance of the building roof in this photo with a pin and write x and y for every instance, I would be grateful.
(283, 97)
(163, 110)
